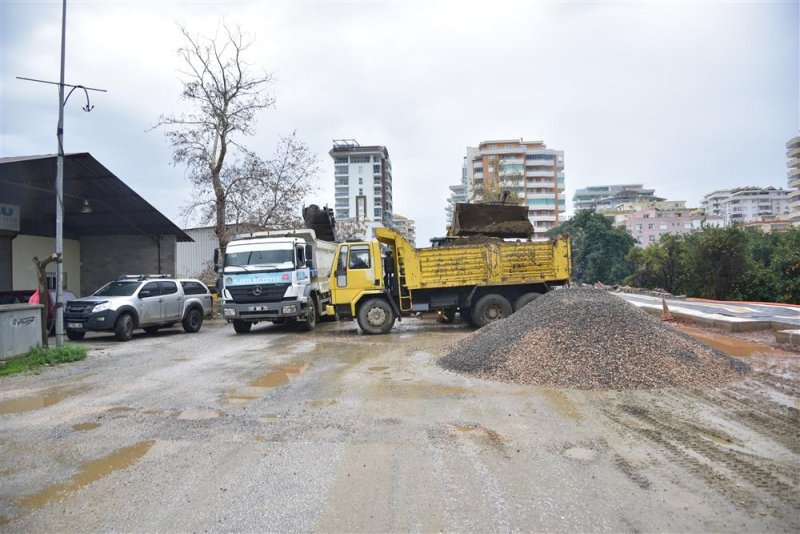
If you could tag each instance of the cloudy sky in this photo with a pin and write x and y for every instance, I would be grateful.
(685, 97)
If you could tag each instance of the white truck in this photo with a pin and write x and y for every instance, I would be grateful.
(280, 276)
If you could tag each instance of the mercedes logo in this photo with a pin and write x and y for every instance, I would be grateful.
(257, 290)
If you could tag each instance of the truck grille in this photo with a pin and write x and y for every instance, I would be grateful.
(80, 308)
(269, 293)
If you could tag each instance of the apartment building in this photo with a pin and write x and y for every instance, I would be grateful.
(648, 225)
(608, 197)
(459, 193)
(363, 184)
(793, 162)
(405, 227)
(531, 172)
(747, 204)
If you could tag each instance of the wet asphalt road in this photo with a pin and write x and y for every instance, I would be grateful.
(279, 430)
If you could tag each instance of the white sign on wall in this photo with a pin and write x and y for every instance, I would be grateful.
(9, 217)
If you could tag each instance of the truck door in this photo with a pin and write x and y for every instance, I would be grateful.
(172, 305)
(150, 294)
(356, 271)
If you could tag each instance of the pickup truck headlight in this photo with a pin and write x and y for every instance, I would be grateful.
(103, 306)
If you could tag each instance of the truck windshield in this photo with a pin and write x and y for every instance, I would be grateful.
(117, 289)
(268, 257)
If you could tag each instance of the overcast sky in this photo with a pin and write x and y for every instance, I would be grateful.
(685, 97)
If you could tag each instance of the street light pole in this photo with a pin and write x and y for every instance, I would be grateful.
(62, 101)
(59, 304)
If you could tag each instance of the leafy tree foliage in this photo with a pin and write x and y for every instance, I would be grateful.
(599, 249)
(723, 263)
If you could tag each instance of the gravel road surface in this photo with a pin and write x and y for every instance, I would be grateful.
(279, 430)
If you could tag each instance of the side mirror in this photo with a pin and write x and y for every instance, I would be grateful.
(144, 293)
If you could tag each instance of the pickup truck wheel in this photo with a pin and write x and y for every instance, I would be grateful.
(490, 308)
(311, 320)
(123, 328)
(375, 316)
(151, 329)
(193, 321)
(75, 335)
(525, 299)
(242, 327)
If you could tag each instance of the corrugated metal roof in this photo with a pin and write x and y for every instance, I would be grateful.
(116, 209)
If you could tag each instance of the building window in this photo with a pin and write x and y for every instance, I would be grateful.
(360, 160)
(651, 226)
(639, 227)
(341, 170)
(378, 190)
(377, 180)
(651, 239)
(376, 159)
(360, 181)
(687, 225)
(377, 212)
(663, 226)
(342, 203)
(531, 157)
(343, 181)
(376, 169)
(342, 214)
(360, 191)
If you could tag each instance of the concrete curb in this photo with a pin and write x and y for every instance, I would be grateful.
(789, 337)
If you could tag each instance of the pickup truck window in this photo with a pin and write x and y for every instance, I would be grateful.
(194, 288)
(117, 289)
(152, 287)
(168, 288)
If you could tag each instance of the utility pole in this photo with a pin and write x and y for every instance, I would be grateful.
(59, 303)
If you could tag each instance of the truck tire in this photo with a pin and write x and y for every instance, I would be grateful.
(242, 327)
(75, 335)
(490, 308)
(522, 300)
(375, 316)
(311, 320)
(123, 328)
(193, 321)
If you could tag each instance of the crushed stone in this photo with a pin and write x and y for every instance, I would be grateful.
(589, 339)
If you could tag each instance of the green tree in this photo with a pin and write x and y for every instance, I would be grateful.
(717, 261)
(599, 248)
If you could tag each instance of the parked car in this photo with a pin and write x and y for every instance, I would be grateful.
(24, 295)
(150, 302)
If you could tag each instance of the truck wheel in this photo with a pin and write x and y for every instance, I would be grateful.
(75, 335)
(311, 320)
(242, 327)
(193, 321)
(490, 308)
(375, 316)
(525, 299)
(151, 329)
(123, 328)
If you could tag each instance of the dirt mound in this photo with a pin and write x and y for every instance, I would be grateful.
(477, 239)
(589, 339)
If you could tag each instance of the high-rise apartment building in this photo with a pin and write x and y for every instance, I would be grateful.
(747, 204)
(531, 172)
(363, 184)
(405, 227)
(608, 197)
(459, 193)
(793, 157)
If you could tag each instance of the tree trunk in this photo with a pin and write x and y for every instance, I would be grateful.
(44, 294)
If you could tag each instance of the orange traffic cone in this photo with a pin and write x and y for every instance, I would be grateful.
(665, 313)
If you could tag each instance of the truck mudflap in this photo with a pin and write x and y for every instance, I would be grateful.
(264, 311)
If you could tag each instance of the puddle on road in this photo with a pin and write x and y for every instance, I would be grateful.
(563, 404)
(322, 403)
(91, 471)
(120, 409)
(83, 427)
(197, 414)
(259, 387)
(48, 397)
(731, 346)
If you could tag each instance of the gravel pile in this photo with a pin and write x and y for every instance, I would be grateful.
(589, 339)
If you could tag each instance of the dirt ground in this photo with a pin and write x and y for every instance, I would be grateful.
(281, 430)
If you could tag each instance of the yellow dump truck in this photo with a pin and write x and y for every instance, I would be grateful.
(377, 282)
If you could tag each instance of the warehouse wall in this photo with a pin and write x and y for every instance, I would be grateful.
(25, 247)
(104, 258)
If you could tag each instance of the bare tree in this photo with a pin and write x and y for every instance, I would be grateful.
(225, 95)
(351, 229)
(496, 184)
